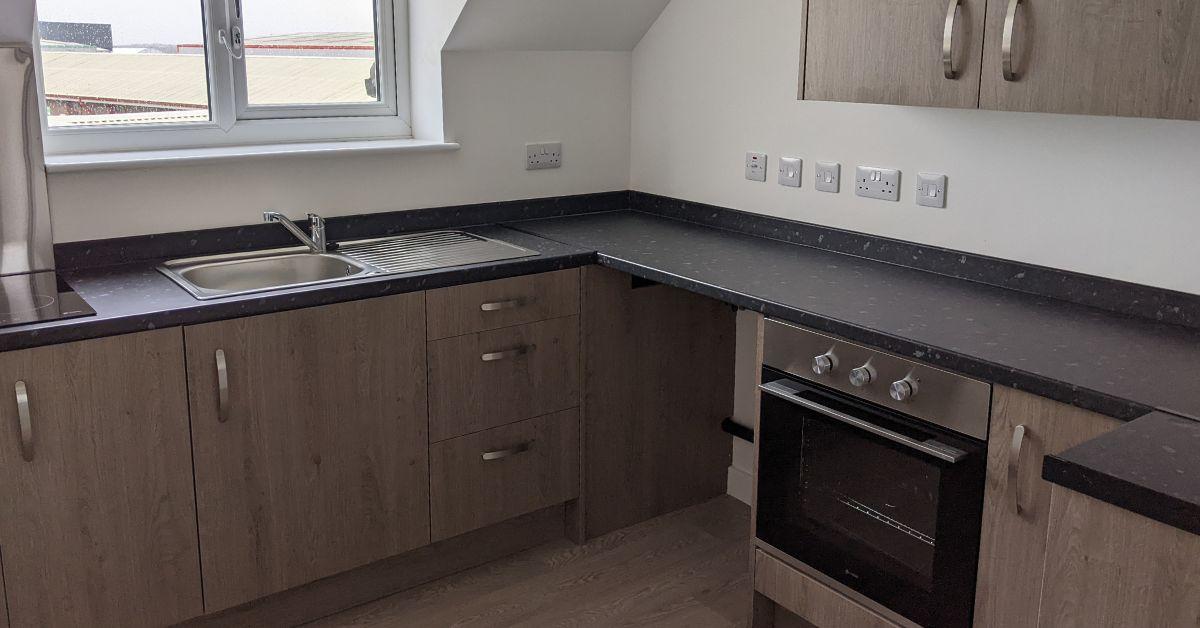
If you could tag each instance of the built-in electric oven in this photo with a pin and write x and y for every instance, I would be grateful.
(863, 478)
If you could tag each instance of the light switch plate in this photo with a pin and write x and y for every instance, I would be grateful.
(756, 166)
(543, 156)
(829, 176)
(880, 183)
(931, 192)
(789, 171)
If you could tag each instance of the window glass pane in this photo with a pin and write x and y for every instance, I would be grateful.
(123, 61)
(309, 52)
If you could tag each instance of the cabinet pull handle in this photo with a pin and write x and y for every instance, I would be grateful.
(1016, 448)
(496, 356)
(948, 40)
(26, 422)
(222, 387)
(496, 306)
(1006, 45)
(507, 453)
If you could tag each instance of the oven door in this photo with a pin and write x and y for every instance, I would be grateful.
(888, 505)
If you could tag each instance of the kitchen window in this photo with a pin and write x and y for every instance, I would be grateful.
(146, 75)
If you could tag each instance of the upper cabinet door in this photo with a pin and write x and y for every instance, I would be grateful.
(98, 522)
(894, 51)
(1137, 58)
(311, 442)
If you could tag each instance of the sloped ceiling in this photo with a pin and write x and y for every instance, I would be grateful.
(553, 24)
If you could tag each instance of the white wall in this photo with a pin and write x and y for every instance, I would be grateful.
(495, 102)
(1106, 196)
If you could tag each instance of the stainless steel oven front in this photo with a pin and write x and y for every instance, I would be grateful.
(863, 477)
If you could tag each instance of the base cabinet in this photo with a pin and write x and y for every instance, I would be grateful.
(1016, 508)
(98, 524)
(1106, 566)
(311, 443)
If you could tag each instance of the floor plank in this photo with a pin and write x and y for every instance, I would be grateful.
(688, 569)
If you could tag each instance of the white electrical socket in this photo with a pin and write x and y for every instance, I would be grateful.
(789, 171)
(931, 191)
(829, 176)
(543, 156)
(756, 167)
(880, 183)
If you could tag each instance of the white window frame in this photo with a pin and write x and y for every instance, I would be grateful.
(233, 122)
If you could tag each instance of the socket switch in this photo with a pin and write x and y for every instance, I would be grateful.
(829, 176)
(756, 167)
(543, 156)
(880, 183)
(789, 171)
(931, 192)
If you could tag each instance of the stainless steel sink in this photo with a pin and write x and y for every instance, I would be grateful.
(244, 273)
(229, 275)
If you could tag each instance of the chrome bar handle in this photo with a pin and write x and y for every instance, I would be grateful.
(497, 306)
(948, 40)
(932, 448)
(1006, 45)
(25, 421)
(496, 356)
(222, 387)
(507, 453)
(1015, 449)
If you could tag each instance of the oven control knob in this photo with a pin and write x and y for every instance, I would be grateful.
(904, 389)
(824, 364)
(862, 376)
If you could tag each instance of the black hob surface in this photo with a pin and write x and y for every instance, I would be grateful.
(38, 298)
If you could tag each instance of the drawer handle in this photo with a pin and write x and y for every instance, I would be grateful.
(496, 356)
(222, 387)
(1016, 448)
(948, 40)
(1006, 43)
(26, 422)
(507, 453)
(496, 306)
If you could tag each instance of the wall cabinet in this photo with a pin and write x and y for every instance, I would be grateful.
(1016, 508)
(311, 445)
(1115, 58)
(892, 52)
(1106, 566)
(1138, 58)
(98, 525)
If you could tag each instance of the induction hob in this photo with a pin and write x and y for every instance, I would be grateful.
(39, 298)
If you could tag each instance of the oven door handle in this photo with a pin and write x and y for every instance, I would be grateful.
(930, 447)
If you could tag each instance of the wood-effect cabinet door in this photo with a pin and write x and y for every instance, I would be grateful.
(1137, 58)
(319, 461)
(1012, 552)
(98, 528)
(1106, 566)
(891, 52)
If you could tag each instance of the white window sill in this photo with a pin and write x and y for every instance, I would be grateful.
(125, 160)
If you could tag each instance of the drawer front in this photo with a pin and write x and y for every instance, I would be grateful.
(491, 476)
(811, 600)
(502, 303)
(493, 378)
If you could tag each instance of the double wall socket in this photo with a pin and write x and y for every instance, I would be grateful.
(543, 156)
(880, 183)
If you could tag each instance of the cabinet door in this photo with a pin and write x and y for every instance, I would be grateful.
(1106, 566)
(1013, 546)
(891, 52)
(99, 527)
(319, 461)
(1100, 57)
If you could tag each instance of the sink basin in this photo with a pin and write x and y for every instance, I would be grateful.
(229, 275)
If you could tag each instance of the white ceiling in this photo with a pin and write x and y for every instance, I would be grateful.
(553, 24)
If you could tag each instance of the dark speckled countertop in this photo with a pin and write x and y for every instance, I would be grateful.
(1119, 365)
(136, 297)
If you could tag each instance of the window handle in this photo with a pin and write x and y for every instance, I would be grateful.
(232, 41)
